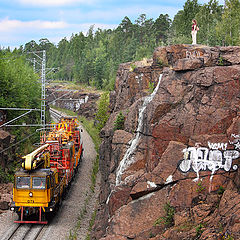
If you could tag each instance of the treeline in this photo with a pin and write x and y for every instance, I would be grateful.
(93, 58)
(19, 88)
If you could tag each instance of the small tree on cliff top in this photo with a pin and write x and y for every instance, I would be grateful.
(102, 113)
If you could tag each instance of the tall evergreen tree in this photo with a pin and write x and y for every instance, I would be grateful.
(228, 29)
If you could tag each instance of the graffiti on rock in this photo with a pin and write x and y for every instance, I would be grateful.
(217, 146)
(235, 141)
(216, 157)
(74, 104)
(80, 102)
(193, 54)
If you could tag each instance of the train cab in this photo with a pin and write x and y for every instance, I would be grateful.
(35, 193)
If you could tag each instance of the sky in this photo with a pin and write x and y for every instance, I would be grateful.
(24, 20)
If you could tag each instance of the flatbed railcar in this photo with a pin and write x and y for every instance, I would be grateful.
(47, 172)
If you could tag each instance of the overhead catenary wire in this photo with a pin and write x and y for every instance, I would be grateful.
(17, 142)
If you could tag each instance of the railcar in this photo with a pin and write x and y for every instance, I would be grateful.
(47, 172)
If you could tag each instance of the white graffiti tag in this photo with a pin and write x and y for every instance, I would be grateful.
(216, 146)
(236, 141)
(193, 54)
(202, 159)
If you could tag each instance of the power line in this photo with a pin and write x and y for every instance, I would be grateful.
(17, 142)
(21, 109)
(37, 130)
(15, 118)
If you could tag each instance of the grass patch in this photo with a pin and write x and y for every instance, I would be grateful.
(94, 173)
(91, 222)
(185, 227)
(92, 131)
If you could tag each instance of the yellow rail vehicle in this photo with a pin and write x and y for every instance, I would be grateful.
(40, 192)
(47, 172)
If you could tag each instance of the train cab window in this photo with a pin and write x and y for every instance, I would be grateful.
(38, 182)
(22, 182)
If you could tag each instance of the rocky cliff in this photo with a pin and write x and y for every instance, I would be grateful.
(173, 171)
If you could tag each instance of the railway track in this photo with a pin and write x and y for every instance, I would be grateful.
(55, 114)
(24, 232)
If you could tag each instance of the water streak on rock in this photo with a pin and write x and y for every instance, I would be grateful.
(128, 158)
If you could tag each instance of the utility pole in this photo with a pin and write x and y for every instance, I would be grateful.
(43, 93)
(41, 60)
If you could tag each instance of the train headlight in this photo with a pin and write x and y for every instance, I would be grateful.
(30, 194)
(12, 208)
(50, 209)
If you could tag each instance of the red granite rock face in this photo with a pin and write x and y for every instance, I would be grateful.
(179, 148)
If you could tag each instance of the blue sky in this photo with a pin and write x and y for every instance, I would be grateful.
(24, 20)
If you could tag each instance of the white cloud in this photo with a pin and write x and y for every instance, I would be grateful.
(54, 3)
(15, 32)
(8, 25)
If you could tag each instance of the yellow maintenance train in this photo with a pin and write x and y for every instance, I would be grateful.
(47, 172)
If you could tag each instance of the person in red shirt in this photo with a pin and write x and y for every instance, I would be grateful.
(194, 31)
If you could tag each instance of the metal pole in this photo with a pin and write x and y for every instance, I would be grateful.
(34, 64)
(43, 96)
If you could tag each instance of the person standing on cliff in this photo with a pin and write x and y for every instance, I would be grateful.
(194, 31)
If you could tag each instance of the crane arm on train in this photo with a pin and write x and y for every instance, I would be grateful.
(34, 159)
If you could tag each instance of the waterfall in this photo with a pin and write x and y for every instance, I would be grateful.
(128, 158)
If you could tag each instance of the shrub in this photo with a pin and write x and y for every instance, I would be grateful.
(168, 219)
(119, 123)
(200, 187)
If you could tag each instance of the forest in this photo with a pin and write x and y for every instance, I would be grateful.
(93, 58)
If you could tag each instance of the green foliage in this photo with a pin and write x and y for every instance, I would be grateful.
(199, 230)
(18, 83)
(220, 61)
(102, 113)
(221, 190)
(119, 123)
(228, 29)
(94, 173)
(151, 87)
(6, 176)
(19, 88)
(151, 235)
(168, 219)
(133, 66)
(200, 187)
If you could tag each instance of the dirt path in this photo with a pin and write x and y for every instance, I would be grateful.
(80, 199)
